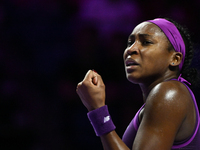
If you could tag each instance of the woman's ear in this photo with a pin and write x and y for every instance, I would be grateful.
(176, 59)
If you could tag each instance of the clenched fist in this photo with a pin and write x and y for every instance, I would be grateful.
(92, 91)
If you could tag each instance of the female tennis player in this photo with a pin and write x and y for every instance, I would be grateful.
(157, 58)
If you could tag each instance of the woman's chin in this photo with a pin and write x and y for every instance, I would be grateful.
(133, 79)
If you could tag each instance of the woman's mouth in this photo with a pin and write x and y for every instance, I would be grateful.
(130, 64)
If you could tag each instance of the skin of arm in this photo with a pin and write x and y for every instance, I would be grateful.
(112, 141)
(165, 110)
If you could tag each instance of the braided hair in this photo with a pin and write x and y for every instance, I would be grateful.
(190, 74)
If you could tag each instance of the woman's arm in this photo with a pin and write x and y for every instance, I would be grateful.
(165, 110)
(112, 141)
(92, 94)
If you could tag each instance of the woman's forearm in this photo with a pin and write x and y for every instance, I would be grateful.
(111, 141)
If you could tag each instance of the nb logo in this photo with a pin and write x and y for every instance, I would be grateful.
(106, 119)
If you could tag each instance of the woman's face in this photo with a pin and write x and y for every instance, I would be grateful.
(146, 57)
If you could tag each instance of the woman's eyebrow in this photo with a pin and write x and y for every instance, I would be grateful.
(144, 35)
(140, 35)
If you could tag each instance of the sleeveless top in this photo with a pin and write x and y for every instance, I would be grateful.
(191, 143)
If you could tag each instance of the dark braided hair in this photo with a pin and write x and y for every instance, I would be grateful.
(190, 74)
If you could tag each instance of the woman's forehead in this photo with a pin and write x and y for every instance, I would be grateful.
(147, 28)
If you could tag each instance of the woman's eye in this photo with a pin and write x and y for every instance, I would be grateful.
(147, 42)
(129, 43)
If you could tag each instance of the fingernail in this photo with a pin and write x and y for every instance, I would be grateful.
(94, 70)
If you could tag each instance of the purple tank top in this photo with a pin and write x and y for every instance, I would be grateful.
(192, 143)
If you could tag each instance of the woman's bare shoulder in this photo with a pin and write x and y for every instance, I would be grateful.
(170, 95)
(167, 107)
(170, 91)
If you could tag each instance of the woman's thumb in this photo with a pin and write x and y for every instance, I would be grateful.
(94, 80)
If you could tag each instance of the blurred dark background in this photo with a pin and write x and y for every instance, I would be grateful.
(47, 46)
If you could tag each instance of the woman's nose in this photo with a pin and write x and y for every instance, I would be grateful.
(133, 49)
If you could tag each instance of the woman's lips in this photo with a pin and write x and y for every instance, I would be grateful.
(131, 64)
